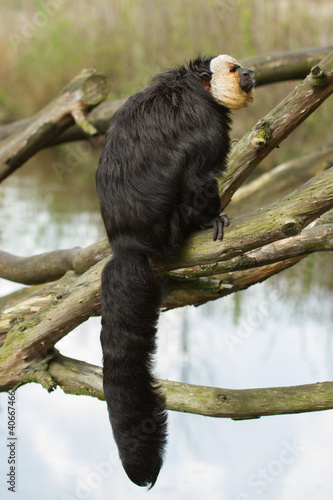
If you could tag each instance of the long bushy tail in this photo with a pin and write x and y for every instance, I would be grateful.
(131, 300)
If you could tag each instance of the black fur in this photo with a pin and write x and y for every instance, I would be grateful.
(156, 183)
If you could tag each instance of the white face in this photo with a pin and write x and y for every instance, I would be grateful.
(225, 85)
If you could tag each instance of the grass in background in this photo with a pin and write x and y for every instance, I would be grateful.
(44, 43)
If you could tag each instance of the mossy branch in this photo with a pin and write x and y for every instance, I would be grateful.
(281, 180)
(81, 94)
(50, 266)
(76, 377)
(271, 130)
(283, 66)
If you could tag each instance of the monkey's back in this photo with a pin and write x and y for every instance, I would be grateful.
(161, 143)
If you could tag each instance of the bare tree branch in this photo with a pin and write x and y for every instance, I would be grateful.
(50, 266)
(85, 91)
(281, 180)
(312, 239)
(249, 403)
(283, 218)
(283, 66)
(76, 377)
(33, 340)
(276, 126)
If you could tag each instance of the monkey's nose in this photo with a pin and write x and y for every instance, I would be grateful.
(246, 79)
(247, 72)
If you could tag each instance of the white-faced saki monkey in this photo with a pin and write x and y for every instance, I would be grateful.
(156, 183)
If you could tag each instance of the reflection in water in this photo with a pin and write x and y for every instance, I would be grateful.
(282, 336)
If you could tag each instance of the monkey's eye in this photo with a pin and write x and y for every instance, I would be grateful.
(234, 68)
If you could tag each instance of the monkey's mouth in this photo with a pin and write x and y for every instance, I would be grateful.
(246, 79)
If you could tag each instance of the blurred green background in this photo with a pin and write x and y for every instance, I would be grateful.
(44, 43)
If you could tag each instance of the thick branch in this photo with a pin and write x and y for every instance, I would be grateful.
(283, 66)
(99, 117)
(210, 282)
(248, 403)
(281, 180)
(85, 91)
(276, 126)
(201, 290)
(50, 266)
(311, 240)
(76, 377)
(280, 219)
(32, 340)
(203, 285)
(22, 304)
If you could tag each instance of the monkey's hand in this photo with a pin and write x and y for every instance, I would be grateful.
(218, 224)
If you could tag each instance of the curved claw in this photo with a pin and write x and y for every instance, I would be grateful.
(218, 225)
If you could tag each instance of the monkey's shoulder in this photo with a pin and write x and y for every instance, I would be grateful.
(171, 104)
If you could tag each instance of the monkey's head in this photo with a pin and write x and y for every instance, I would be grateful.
(230, 84)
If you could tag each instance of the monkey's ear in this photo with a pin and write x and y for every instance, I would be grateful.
(205, 82)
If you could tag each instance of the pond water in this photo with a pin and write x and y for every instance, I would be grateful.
(277, 333)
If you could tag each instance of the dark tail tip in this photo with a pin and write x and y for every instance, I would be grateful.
(142, 449)
(144, 475)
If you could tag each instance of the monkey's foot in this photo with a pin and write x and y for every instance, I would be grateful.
(218, 224)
